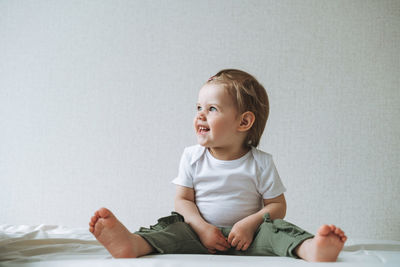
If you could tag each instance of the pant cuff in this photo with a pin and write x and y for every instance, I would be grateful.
(298, 241)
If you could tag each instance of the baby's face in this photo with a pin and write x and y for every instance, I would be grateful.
(217, 117)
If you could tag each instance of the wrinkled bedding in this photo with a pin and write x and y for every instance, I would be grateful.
(49, 245)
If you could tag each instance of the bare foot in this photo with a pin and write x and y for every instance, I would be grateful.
(114, 236)
(325, 246)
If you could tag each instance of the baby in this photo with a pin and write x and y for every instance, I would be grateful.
(229, 197)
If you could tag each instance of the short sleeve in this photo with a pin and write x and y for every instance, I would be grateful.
(270, 185)
(185, 177)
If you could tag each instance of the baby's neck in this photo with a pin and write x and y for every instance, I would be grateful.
(228, 153)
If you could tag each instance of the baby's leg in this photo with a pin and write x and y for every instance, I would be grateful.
(325, 246)
(115, 237)
(282, 238)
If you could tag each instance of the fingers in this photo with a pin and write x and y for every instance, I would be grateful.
(230, 237)
(245, 246)
(223, 241)
(240, 244)
(222, 244)
(234, 242)
(220, 247)
(233, 239)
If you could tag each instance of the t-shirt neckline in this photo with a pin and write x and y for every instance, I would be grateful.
(233, 162)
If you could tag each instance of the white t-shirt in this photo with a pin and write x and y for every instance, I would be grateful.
(228, 191)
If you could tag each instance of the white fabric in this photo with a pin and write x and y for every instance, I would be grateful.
(227, 191)
(51, 245)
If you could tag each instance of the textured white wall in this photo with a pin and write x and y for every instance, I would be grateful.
(97, 99)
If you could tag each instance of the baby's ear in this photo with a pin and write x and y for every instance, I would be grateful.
(246, 121)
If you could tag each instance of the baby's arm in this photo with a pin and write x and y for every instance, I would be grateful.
(210, 236)
(243, 231)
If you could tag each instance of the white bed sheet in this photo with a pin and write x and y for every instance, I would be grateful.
(47, 245)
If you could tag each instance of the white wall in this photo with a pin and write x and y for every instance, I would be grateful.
(97, 100)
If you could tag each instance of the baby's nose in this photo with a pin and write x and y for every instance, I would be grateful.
(201, 116)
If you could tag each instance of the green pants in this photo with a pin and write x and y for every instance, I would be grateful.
(171, 235)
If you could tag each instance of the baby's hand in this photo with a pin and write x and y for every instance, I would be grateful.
(212, 238)
(241, 235)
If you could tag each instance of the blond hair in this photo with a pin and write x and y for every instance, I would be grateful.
(249, 95)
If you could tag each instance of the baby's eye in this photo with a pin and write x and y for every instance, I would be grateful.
(198, 108)
(213, 109)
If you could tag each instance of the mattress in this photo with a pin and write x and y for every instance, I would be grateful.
(49, 245)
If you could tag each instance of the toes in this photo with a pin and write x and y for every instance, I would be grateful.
(101, 213)
(98, 214)
(324, 230)
(338, 231)
(104, 213)
(93, 220)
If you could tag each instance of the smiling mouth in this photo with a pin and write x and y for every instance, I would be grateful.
(203, 130)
